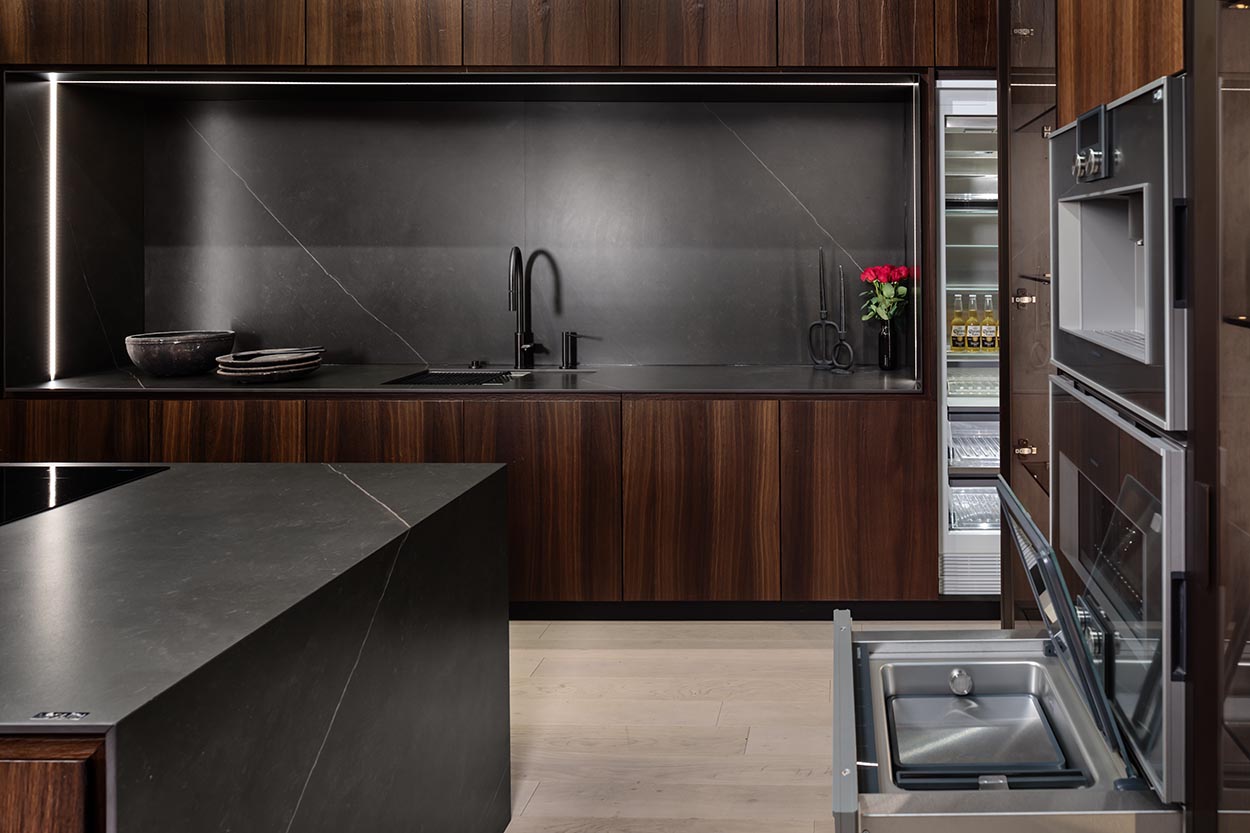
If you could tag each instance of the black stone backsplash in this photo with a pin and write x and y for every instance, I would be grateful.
(667, 233)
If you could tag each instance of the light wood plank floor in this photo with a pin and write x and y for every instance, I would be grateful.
(672, 727)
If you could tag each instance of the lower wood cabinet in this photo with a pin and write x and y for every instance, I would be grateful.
(700, 500)
(564, 492)
(52, 785)
(73, 430)
(227, 431)
(859, 494)
(384, 431)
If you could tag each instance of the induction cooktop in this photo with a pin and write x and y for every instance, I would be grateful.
(28, 490)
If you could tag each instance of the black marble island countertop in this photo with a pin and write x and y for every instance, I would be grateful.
(346, 379)
(247, 635)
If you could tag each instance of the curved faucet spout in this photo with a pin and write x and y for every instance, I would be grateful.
(519, 301)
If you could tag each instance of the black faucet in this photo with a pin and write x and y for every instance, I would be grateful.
(519, 300)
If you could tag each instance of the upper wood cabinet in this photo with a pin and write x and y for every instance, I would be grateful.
(564, 493)
(52, 784)
(542, 33)
(701, 500)
(384, 431)
(1109, 49)
(247, 32)
(73, 31)
(384, 32)
(73, 430)
(855, 33)
(966, 33)
(699, 33)
(227, 431)
(859, 497)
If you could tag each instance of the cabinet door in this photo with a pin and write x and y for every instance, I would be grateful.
(859, 500)
(384, 432)
(227, 431)
(51, 785)
(966, 33)
(547, 33)
(564, 493)
(73, 430)
(384, 32)
(702, 33)
(73, 32)
(855, 33)
(701, 500)
(226, 31)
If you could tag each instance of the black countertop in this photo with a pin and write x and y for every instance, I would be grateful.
(111, 600)
(371, 379)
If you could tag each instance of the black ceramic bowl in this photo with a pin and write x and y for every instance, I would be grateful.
(179, 352)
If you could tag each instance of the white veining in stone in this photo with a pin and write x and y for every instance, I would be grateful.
(367, 493)
(300, 243)
(787, 188)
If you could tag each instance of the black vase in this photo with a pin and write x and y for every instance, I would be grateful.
(888, 346)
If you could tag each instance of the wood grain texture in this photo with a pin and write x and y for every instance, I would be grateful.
(384, 431)
(70, 32)
(564, 498)
(700, 500)
(1033, 35)
(1109, 49)
(966, 33)
(210, 32)
(227, 431)
(855, 33)
(384, 32)
(51, 785)
(542, 32)
(705, 33)
(73, 430)
(859, 500)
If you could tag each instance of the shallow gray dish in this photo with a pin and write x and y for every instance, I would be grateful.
(179, 352)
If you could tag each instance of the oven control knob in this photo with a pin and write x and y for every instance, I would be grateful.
(1080, 165)
(960, 682)
(1094, 164)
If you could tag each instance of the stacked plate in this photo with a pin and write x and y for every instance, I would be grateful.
(279, 364)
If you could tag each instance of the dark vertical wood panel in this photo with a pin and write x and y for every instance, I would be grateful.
(707, 33)
(855, 33)
(51, 785)
(966, 33)
(73, 430)
(542, 33)
(1032, 35)
(384, 431)
(71, 32)
(226, 31)
(1109, 49)
(384, 32)
(701, 500)
(564, 493)
(859, 500)
(227, 431)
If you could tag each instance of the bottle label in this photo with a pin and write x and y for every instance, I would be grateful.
(988, 334)
(974, 331)
(959, 336)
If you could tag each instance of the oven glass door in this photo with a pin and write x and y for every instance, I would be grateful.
(1118, 514)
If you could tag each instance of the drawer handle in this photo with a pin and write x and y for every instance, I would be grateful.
(1022, 298)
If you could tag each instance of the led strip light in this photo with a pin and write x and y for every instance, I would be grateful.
(53, 174)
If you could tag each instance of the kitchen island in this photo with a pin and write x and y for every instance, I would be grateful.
(261, 647)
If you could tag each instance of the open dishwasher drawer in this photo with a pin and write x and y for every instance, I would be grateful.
(990, 730)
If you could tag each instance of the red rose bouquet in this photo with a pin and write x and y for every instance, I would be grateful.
(887, 297)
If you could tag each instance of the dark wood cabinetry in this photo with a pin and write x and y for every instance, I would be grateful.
(700, 500)
(73, 31)
(1109, 49)
(966, 33)
(226, 32)
(564, 493)
(51, 785)
(384, 431)
(546, 33)
(384, 32)
(855, 33)
(73, 430)
(859, 498)
(699, 33)
(227, 431)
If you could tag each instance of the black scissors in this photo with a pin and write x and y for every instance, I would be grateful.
(826, 341)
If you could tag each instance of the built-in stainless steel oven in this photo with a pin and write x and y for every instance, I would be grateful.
(1118, 207)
